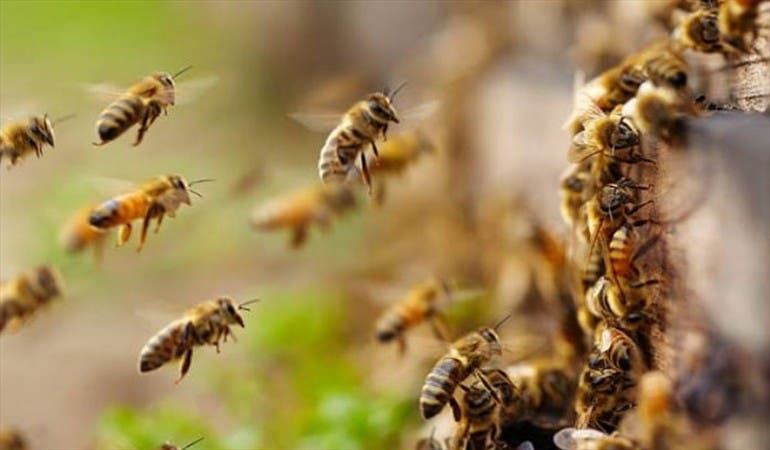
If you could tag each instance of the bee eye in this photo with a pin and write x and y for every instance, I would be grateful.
(377, 109)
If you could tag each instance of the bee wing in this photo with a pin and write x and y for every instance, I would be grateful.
(579, 151)
(420, 112)
(322, 122)
(108, 186)
(568, 438)
(103, 91)
(187, 92)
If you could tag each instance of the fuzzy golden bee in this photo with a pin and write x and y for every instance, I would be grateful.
(205, 324)
(542, 391)
(657, 110)
(23, 137)
(170, 446)
(466, 356)
(699, 31)
(612, 205)
(78, 234)
(738, 23)
(360, 126)
(23, 296)
(153, 200)
(479, 412)
(142, 103)
(299, 210)
(575, 189)
(419, 305)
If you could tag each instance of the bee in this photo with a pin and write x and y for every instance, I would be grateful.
(170, 446)
(541, 392)
(609, 208)
(78, 234)
(664, 66)
(205, 324)
(591, 439)
(396, 154)
(624, 308)
(657, 110)
(419, 305)
(575, 187)
(300, 209)
(153, 200)
(360, 126)
(21, 297)
(479, 413)
(466, 356)
(738, 22)
(142, 103)
(608, 137)
(22, 137)
(699, 31)
(12, 439)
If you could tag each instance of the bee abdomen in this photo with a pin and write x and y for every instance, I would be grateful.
(162, 348)
(440, 385)
(392, 325)
(118, 117)
(105, 215)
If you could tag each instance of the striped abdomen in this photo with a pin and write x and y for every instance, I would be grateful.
(440, 385)
(119, 116)
(620, 253)
(169, 344)
(594, 267)
(120, 210)
(399, 318)
(338, 155)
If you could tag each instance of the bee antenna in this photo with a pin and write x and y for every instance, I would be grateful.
(182, 71)
(501, 322)
(248, 302)
(195, 192)
(202, 180)
(63, 118)
(392, 95)
(192, 443)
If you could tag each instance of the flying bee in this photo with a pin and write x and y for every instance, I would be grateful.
(205, 324)
(12, 439)
(22, 137)
(699, 31)
(466, 356)
(153, 200)
(21, 297)
(300, 209)
(419, 305)
(396, 154)
(169, 446)
(591, 439)
(78, 234)
(142, 103)
(360, 126)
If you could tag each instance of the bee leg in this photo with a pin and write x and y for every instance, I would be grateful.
(401, 340)
(151, 212)
(142, 128)
(365, 170)
(298, 236)
(186, 360)
(440, 327)
(124, 233)
(160, 220)
(455, 407)
(488, 386)
(376, 152)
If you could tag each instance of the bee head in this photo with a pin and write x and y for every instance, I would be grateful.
(492, 339)
(181, 188)
(42, 128)
(624, 135)
(707, 29)
(167, 81)
(227, 306)
(380, 105)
